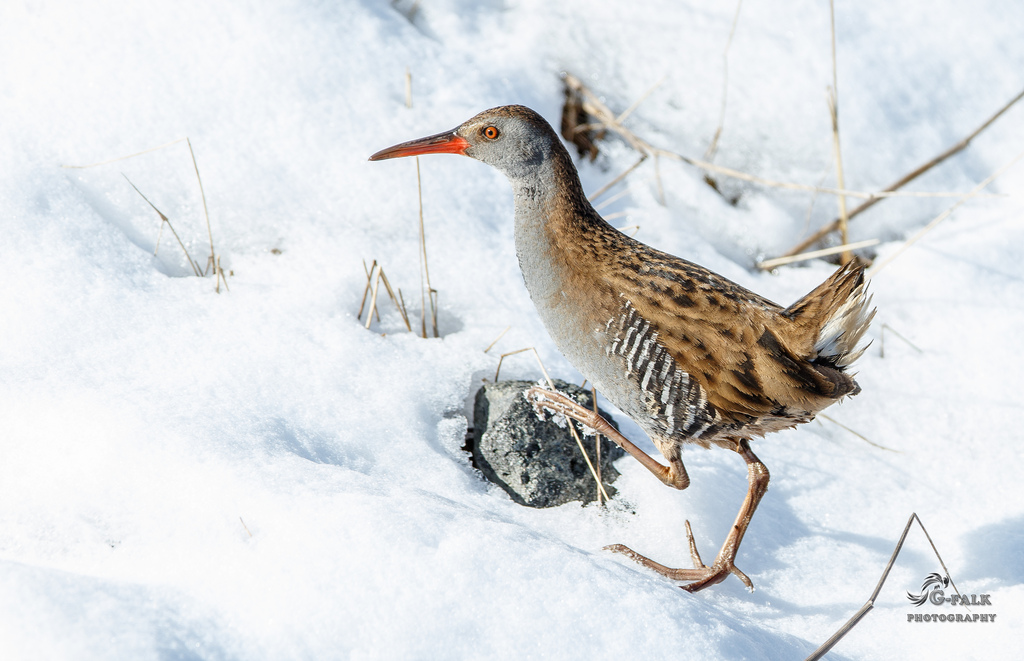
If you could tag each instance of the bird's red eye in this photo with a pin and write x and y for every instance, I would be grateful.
(491, 132)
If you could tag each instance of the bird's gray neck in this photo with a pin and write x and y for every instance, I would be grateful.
(550, 206)
(535, 198)
(552, 216)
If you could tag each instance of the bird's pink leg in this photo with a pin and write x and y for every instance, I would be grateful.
(674, 475)
(701, 575)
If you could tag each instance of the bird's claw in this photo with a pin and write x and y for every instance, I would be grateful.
(700, 577)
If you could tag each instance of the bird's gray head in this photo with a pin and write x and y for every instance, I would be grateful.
(513, 139)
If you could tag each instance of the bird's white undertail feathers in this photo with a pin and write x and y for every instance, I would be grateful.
(841, 333)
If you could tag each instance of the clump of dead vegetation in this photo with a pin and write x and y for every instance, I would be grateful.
(428, 295)
(213, 260)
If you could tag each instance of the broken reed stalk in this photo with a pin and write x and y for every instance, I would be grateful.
(165, 219)
(374, 276)
(833, 106)
(942, 216)
(859, 615)
(569, 423)
(769, 264)
(221, 277)
(903, 181)
(391, 294)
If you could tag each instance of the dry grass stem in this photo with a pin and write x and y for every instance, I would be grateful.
(245, 526)
(614, 198)
(373, 298)
(433, 310)
(501, 335)
(942, 216)
(881, 340)
(366, 290)
(844, 236)
(536, 355)
(590, 465)
(394, 299)
(833, 106)
(857, 434)
(859, 615)
(617, 179)
(164, 219)
(709, 154)
(904, 180)
(221, 277)
(426, 290)
(769, 264)
(369, 284)
(403, 309)
(213, 261)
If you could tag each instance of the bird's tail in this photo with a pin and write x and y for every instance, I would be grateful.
(834, 317)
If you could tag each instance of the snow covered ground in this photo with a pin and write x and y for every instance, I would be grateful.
(254, 475)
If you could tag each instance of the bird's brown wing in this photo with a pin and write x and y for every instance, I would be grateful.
(734, 343)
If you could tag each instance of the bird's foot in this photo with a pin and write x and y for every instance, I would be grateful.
(545, 400)
(700, 577)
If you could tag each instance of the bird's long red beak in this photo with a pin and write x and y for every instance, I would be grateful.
(442, 143)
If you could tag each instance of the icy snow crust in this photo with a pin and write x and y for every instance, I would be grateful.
(254, 475)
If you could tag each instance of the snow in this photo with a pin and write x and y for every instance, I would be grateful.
(254, 475)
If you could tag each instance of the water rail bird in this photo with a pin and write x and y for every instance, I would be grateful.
(689, 355)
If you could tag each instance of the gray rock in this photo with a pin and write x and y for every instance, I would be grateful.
(537, 462)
